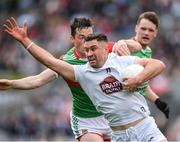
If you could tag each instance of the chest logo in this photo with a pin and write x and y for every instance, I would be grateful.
(110, 85)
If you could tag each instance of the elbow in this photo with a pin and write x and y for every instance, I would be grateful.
(50, 64)
(162, 65)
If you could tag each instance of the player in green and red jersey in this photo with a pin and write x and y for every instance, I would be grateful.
(146, 30)
(87, 123)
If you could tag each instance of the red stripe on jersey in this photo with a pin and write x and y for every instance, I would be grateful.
(110, 46)
(76, 54)
(72, 84)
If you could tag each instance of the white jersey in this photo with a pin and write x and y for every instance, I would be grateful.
(103, 86)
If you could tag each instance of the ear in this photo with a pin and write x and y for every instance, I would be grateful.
(107, 48)
(155, 34)
(136, 27)
(72, 39)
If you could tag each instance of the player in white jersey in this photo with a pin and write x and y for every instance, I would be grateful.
(86, 122)
(126, 112)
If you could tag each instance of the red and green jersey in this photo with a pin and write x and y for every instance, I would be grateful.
(81, 103)
(144, 53)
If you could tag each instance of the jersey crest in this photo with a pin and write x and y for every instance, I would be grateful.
(110, 85)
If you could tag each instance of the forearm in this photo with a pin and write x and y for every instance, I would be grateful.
(151, 95)
(20, 34)
(25, 83)
(40, 54)
(43, 56)
(22, 84)
(152, 68)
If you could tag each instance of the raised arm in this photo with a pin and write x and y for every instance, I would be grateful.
(20, 34)
(30, 82)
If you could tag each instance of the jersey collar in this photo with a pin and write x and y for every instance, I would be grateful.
(75, 53)
(77, 56)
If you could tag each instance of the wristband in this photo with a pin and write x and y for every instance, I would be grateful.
(29, 46)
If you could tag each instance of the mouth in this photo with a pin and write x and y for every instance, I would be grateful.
(91, 60)
(145, 38)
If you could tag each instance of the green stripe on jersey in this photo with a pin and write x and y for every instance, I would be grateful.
(82, 105)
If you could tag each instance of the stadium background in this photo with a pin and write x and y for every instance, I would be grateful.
(43, 113)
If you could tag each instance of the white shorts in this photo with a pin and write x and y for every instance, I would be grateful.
(146, 130)
(98, 125)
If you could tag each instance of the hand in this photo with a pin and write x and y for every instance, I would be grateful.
(12, 28)
(163, 106)
(130, 83)
(5, 84)
(133, 45)
(121, 48)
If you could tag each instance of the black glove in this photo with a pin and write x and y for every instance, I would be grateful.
(163, 106)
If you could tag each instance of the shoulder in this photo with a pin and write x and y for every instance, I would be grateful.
(70, 57)
(69, 54)
(115, 56)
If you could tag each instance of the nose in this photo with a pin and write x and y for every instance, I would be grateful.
(146, 32)
(89, 53)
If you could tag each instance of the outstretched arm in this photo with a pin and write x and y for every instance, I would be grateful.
(30, 82)
(64, 69)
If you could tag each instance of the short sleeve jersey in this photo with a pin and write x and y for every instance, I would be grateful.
(82, 106)
(103, 86)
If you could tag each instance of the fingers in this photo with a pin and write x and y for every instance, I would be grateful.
(13, 21)
(122, 49)
(25, 25)
(7, 28)
(124, 79)
(128, 86)
(129, 89)
(10, 24)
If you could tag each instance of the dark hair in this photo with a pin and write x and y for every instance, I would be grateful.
(80, 23)
(96, 36)
(151, 16)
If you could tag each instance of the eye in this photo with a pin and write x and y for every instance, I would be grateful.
(81, 37)
(142, 28)
(151, 30)
(86, 49)
(93, 48)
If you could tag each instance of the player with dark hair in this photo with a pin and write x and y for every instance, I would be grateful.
(86, 122)
(146, 30)
(127, 113)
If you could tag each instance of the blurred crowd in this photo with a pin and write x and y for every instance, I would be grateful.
(43, 114)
